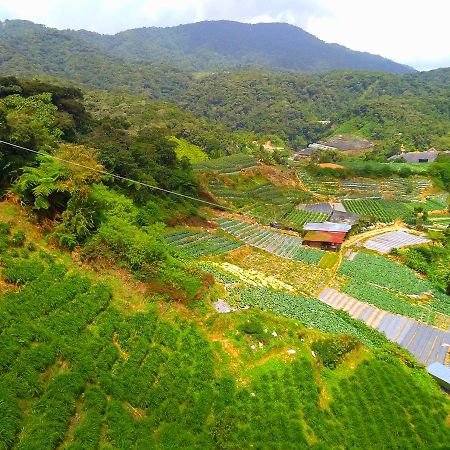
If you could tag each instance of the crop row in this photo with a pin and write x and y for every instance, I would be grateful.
(384, 299)
(280, 244)
(379, 270)
(309, 311)
(227, 164)
(299, 217)
(200, 243)
(383, 210)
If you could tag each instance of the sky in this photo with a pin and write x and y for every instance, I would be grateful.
(414, 32)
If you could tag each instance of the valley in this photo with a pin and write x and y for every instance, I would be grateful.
(206, 244)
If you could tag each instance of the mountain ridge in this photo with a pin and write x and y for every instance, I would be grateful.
(219, 45)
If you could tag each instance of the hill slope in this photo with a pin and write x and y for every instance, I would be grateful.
(206, 46)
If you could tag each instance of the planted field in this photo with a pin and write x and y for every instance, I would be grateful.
(388, 301)
(439, 222)
(198, 243)
(309, 311)
(405, 190)
(378, 271)
(299, 217)
(329, 260)
(384, 243)
(306, 279)
(381, 271)
(280, 244)
(78, 372)
(227, 164)
(321, 187)
(382, 210)
(264, 201)
(367, 188)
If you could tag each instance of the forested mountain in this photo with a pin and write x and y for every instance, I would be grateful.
(34, 50)
(375, 105)
(196, 47)
(225, 44)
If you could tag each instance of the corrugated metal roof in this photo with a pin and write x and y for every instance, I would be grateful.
(336, 237)
(440, 371)
(326, 226)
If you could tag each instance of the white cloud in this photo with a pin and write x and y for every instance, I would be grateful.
(409, 31)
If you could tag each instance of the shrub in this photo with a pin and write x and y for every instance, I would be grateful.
(22, 271)
(253, 328)
(333, 350)
(18, 238)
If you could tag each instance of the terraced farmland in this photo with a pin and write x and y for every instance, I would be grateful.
(384, 211)
(366, 269)
(280, 244)
(198, 243)
(309, 311)
(321, 187)
(300, 216)
(228, 164)
(384, 243)
(439, 222)
(426, 343)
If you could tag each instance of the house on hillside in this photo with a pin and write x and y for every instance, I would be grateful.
(325, 235)
(427, 156)
(325, 240)
(344, 217)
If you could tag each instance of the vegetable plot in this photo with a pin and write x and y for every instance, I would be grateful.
(198, 243)
(309, 311)
(280, 244)
(383, 210)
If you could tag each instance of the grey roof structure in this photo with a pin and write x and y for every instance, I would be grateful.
(344, 217)
(415, 157)
(326, 226)
(325, 208)
(441, 373)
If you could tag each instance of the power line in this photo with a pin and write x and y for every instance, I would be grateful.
(119, 177)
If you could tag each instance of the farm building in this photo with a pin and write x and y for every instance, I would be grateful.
(325, 235)
(428, 156)
(344, 217)
(327, 226)
(441, 374)
(325, 240)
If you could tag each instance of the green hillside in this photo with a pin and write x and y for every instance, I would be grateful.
(148, 299)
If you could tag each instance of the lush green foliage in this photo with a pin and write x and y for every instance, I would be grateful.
(138, 380)
(196, 244)
(309, 311)
(333, 350)
(373, 276)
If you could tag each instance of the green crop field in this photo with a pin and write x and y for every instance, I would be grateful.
(382, 210)
(299, 217)
(200, 243)
(227, 164)
(369, 273)
(78, 372)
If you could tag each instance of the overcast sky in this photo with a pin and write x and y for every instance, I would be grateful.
(414, 32)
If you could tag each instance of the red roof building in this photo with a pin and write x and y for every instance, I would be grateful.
(326, 240)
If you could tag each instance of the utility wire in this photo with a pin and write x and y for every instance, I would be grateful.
(119, 177)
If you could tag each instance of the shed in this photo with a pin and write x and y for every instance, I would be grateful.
(325, 240)
(441, 374)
